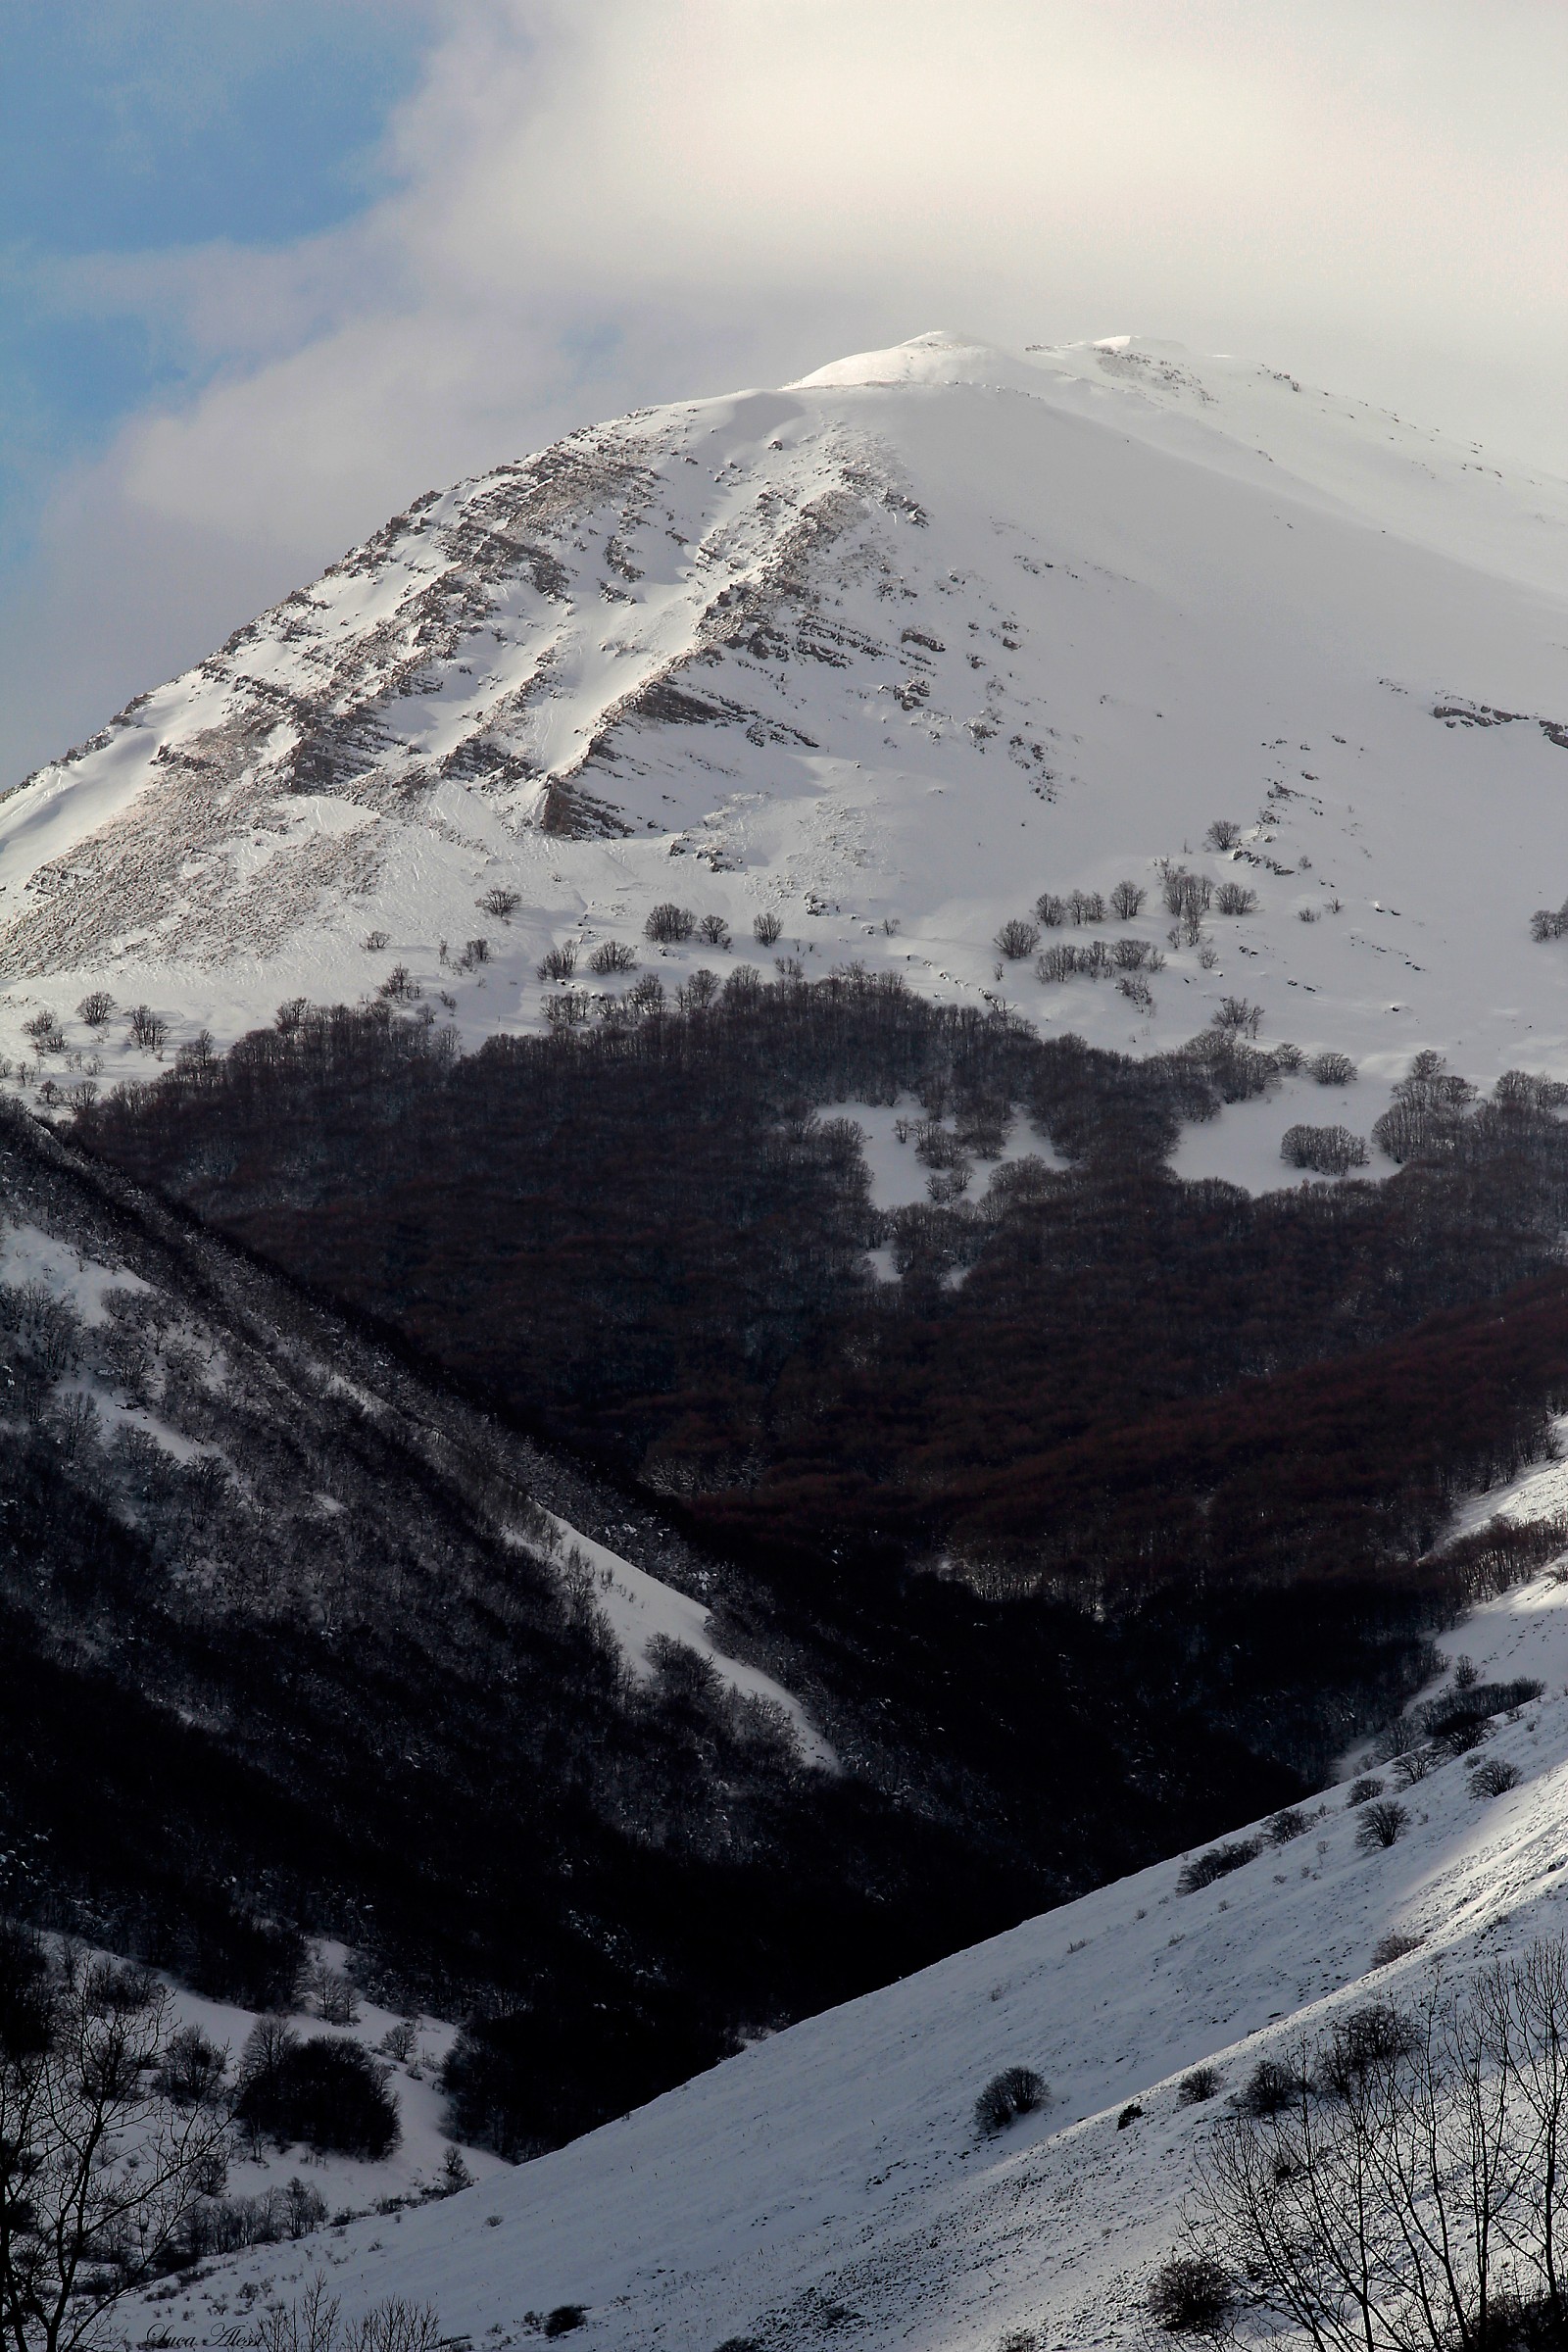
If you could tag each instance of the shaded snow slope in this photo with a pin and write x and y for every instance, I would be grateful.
(828, 2184)
(887, 653)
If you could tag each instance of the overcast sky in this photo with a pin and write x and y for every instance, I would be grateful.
(269, 268)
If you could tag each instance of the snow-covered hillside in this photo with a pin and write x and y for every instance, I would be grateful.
(829, 2184)
(887, 654)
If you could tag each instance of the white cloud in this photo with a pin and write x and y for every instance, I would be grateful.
(610, 201)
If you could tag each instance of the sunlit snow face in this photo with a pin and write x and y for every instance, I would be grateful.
(503, 217)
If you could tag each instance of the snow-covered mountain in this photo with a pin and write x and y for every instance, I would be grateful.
(887, 653)
(829, 2184)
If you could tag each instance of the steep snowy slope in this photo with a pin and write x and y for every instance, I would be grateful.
(828, 2184)
(887, 653)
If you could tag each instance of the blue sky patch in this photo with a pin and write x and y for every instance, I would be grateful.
(151, 126)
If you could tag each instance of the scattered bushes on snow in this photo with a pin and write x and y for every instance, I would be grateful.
(1097, 960)
(1269, 2089)
(329, 2094)
(1384, 1823)
(1192, 2294)
(1286, 1824)
(1017, 939)
(1016, 2090)
(1395, 1945)
(1187, 896)
(148, 1029)
(613, 956)
(668, 924)
(1217, 1863)
(193, 2068)
(1329, 1151)
(1371, 2036)
(1203, 2083)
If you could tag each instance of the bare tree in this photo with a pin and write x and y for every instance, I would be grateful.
(1126, 900)
(148, 1029)
(767, 928)
(314, 2321)
(99, 2172)
(1409, 2197)
(1017, 938)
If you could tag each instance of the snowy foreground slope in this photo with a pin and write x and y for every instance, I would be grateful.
(827, 2186)
(887, 653)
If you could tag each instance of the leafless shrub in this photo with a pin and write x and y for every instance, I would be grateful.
(374, 941)
(314, 2321)
(1332, 1069)
(1223, 834)
(766, 928)
(1383, 1824)
(1050, 913)
(613, 956)
(558, 963)
(1289, 1824)
(1136, 988)
(1329, 1151)
(1126, 901)
(668, 924)
(1187, 896)
(1237, 1018)
(1192, 2294)
(648, 996)
(1494, 1778)
(1288, 1059)
(570, 1007)
(501, 903)
(474, 952)
(1363, 1792)
(1414, 1764)
(1085, 907)
(1397, 1946)
(97, 1008)
(45, 1032)
(1016, 2090)
(399, 986)
(148, 1029)
(1548, 923)
(1217, 1863)
(1203, 2083)
(1017, 939)
(713, 931)
(1270, 2088)
(1232, 898)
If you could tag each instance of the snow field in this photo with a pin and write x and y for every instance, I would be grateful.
(834, 2169)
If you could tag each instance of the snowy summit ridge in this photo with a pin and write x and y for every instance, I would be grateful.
(887, 654)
